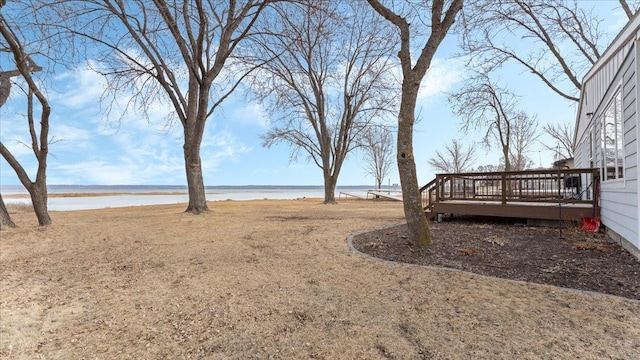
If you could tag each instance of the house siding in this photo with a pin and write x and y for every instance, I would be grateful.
(618, 198)
(599, 83)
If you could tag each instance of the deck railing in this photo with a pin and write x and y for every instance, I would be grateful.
(553, 185)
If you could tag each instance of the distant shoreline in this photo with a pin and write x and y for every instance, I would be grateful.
(8, 191)
(72, 198)
(92, 194)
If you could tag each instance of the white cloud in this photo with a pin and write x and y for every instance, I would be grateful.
(146, 157)
(440, 78)
(250, 114)
(82, 88)
(66, 132)
(620, 20)
(219, 147)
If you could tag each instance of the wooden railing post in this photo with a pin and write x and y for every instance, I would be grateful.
(520, 188)
(451, 186)
(504, 187)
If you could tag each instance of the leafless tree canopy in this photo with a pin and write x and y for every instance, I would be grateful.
(524, 134)
(484, 106)
(377, 147)
(562, 133)
(454, 159)
(556, 40)
(329, 77)
(173, 52)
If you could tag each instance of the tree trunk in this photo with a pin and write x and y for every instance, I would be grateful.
(330, 189)
(507, 161)
(412, 77)
(38, 192)
(195, 181)
(38, 189)
(413, 211)
(5, 219)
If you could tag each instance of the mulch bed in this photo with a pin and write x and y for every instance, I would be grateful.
(510, 249)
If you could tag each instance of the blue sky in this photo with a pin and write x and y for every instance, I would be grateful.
(92, 148)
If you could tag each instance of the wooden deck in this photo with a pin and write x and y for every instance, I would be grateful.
(526, 210)
(568, 194)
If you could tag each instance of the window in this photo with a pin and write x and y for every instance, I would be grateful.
(609, 157)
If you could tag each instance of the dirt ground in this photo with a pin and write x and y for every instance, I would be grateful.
(273, 279)
(571, 258)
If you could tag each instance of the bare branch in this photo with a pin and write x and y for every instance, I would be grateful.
(454, 159)
(325, 77)
(483, 105)
(627, 9)
(562, 133)
(555, 40)
(377, 147)
(175, 52)
(524, 134)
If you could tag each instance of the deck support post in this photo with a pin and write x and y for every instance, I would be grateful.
(559, 205)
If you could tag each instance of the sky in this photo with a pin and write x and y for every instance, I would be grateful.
(90, 147)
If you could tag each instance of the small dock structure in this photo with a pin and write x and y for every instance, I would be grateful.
(395, 195)
(349, 194)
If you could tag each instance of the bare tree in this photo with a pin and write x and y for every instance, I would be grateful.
(524, 134)
(562, 133)
(38, 130)
(440, 21)
(176, 52)
(377, 146)
(484, 106)
(328, 80)
(556, 40)
(454, 159)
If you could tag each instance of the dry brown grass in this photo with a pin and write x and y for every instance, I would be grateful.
(19, 207)
(272, 279)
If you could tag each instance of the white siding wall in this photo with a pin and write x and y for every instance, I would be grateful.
(619, 201)
(618, 198)
(598, 83)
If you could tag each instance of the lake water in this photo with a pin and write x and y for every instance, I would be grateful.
(155, 195)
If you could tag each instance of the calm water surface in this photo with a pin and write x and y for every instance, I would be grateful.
(155, 195)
